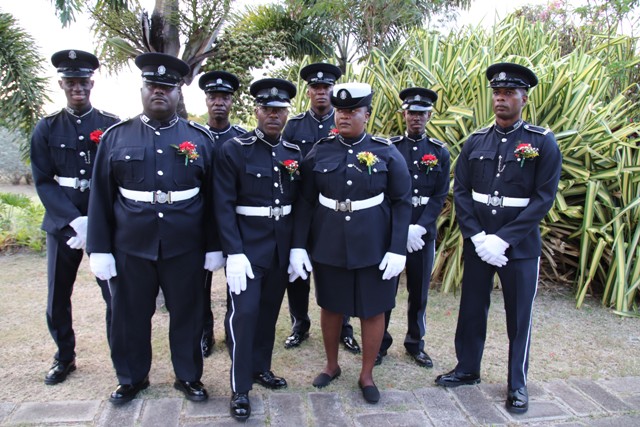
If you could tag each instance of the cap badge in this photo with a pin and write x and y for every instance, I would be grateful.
(162, 70)
(343, 94)
(274, 91)
(72, 54)
(320, 74)
(417, 98)
(502, 76)
(219, 81)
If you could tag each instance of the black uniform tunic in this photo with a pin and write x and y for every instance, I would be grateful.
(61, 146)
(488, 165)
(154, 244)
(357, 240)
(250, 172)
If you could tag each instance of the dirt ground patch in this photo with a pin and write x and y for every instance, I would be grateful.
(590, 342)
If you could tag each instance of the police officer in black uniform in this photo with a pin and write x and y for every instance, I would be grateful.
(256, 183)
(506, 180)
(428, 163)
(152, 227)
(353, 216)
(304, 130)
(219, 87)
(63, 151)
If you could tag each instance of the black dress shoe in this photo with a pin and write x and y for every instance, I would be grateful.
(455, 379)
(206, 344)
(295, 339)
(240, 407)
(379, 357)
(324, 380)
(370, 393)
(59, 371)
(518, 401)
(269, 380)
(422, 359)
(351, 345)
(127, 392)
(193, 390)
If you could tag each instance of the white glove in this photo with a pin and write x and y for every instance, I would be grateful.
(79, 225)
(103, 266)
(392, 264)
(478, 239)
(238, 269)
(492, 247)
(498, 261)
(299, 264)
(213, 261)
(414, 239)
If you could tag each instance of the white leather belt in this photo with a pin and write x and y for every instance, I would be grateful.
(159, 196)
(419, 201)
(510, 202)
(350, 205)
(268, 211)
(77, 183)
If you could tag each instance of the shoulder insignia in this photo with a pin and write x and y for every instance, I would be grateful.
(239, 129)
(396, 139)
(201, 128)
(298, 116)
(55, 113)
(326, 139)
(246, 141)
(381, 140)
(290, 145)
(104, 113)
(116, 124)
(482, 131)
(436, 142)
(537, 129)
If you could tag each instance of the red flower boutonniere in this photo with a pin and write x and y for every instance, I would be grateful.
(429, 161)
(188, 150)
(525, 151)
(96, 136)
(368, 159)
(291, 166)
(334, 132)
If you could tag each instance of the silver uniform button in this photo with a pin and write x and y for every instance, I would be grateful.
(81, 138)
(157, 133)
(81, 154)
(415, 190)
(275, 184)
(275, 168)
(82, 171)
(78, 121)
(320, 126)
(415, 148)
(375, 170)
(349, 182)
(160, 214)
(258, 175)
(324, 170)
(273, 154)
(127, 157)
(159, 151)
(415, 176)
(62, 145)
(160, 173)
(277, 201)
(347, 218)
(350, 151)
(481, 157)
(495, 193)
(493, 212)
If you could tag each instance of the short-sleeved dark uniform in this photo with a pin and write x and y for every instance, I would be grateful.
(429, 189)
(488, 168)
(61, 147)
(345, 246)
(155, 243)
(250, 174)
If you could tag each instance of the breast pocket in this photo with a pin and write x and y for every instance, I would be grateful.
(378, 176)
(128, 164)
(517, 174)
(427, 181)
(325, 174)
(64, 152)
(187, 174)
(482, 164)
(258, 179)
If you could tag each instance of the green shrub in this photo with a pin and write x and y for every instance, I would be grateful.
(20, 219)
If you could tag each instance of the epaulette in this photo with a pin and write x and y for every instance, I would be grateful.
(55, 113)
(290, 145)
(201, 128)
(239, 129)
(104, 113)
(396, 139)
(246, 141)
(481, 131)
(116, 124)
(537, 129)
(298, 116)
(326, 139)
(381, 140)
(436, 142)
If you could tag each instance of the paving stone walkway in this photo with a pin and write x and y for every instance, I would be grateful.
(567, 403)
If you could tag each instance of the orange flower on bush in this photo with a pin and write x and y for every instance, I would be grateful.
(429, 161)
(188, 150)
(96, 135)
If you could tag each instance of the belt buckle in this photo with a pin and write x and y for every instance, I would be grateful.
(415, 201)
(161, 197)
(82, 184)
(275, 212)
(495, 201)
(344, 206)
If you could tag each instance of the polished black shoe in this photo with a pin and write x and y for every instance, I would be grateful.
(269, 380)
(240, 407)
(59, 372)
(518, 401)
(206, 344)
(295, 339)
(127, 392)
(379, 357)
(351, 345)
(422, 359)
(193, 390)
(455, 379)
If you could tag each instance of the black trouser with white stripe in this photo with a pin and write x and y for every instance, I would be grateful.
(519, 280)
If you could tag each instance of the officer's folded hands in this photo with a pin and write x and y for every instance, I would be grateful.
(299, 264)
(492, 250)
(103, 266)
(214, 261)
(238, 269)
